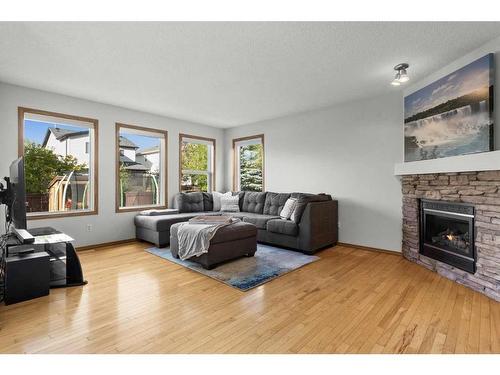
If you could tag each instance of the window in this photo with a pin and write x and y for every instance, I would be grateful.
(141, 168)
(60, 176)
(248, 161)
(196, 163)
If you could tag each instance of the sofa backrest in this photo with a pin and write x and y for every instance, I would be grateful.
(274, 203)
(208, 202)
(253, 202)
(303, 199)
(189, 202)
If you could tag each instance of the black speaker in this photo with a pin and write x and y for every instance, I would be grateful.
(26, 277)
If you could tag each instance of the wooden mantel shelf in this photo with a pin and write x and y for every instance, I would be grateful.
(486, 161)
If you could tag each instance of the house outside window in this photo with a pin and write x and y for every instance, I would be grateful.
(60, 160)
(248, 167)
(196, 164)
(141, 168)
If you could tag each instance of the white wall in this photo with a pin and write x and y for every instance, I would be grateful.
(108, 225)
(348, 151)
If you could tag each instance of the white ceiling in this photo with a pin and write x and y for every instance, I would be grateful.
(231, 73)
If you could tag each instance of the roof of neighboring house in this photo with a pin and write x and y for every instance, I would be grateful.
(126, 160)
(62, 134)
(142, 160)
(149, 150)
(136, 167)
(139, 165)
(127, 143)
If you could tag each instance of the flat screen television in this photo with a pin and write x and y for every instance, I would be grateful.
(17, 207)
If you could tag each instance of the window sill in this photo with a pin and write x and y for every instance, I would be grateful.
(141, 208)
(57, 215)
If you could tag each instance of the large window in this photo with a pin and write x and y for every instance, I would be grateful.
(196, 163)
(60, 161)
(248, 163)
(141, 168)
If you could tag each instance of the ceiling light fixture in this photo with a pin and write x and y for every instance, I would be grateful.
(401, 74)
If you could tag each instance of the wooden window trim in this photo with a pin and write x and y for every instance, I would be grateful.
(235, 169)
(164, 133)
(21, 111)
(182, 135)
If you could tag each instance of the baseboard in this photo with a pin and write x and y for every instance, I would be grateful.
(391, 252)
(105, 244)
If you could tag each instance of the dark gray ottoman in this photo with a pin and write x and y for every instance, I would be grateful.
(230, 242)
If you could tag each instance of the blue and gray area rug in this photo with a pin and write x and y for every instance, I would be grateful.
(246, 273)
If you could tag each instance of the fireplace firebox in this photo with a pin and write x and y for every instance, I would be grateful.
(447, 233)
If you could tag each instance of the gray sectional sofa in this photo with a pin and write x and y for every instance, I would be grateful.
(315, 225)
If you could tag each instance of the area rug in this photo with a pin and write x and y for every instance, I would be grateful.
(246, 273)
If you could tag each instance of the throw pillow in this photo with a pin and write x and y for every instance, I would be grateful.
(288, 208)
(217, 199)
(230, 203)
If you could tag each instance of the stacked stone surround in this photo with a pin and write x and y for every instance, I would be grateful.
(482, 189)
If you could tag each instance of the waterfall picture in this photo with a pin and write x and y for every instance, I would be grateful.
(453, 115)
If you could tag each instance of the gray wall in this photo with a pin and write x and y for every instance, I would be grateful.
(107, 225)
(348, 151)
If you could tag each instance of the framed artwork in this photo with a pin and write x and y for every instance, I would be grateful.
(453, 115)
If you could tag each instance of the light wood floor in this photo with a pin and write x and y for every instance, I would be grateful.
(351, 301)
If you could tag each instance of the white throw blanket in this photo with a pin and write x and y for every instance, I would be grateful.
(194, 239)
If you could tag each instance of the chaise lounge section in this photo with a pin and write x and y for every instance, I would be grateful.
(315, 224)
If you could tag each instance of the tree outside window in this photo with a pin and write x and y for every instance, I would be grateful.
(249, 168)
(196, 163)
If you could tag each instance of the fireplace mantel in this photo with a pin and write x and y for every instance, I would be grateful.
(486, 161)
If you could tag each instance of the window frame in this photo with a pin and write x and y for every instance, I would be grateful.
(236, 167)
(21, 112)
(164, 168)
(214, 154)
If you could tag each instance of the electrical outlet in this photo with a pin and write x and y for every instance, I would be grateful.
(89, 227)
(339, 224)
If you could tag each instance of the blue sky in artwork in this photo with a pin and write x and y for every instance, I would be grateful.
(471, 77)
(34, 131)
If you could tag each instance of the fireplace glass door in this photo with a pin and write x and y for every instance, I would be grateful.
(448, 233)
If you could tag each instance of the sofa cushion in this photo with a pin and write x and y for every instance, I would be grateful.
(189, 202)
(253, 202)
(283, 227)
(259, 220)
(274, 203)
(208, 202)
(303, 199)
(163, 223)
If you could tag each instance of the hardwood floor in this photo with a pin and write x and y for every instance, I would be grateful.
(351, 301)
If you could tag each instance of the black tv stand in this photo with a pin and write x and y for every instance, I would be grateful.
(65, 267)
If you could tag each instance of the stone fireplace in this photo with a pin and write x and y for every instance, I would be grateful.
(459, 241)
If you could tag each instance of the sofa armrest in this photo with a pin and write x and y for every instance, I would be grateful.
(318, 226)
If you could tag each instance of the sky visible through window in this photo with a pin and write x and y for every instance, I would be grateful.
(143, 141)
(34, 131)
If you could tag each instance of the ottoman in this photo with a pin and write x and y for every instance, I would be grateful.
(230, 242)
